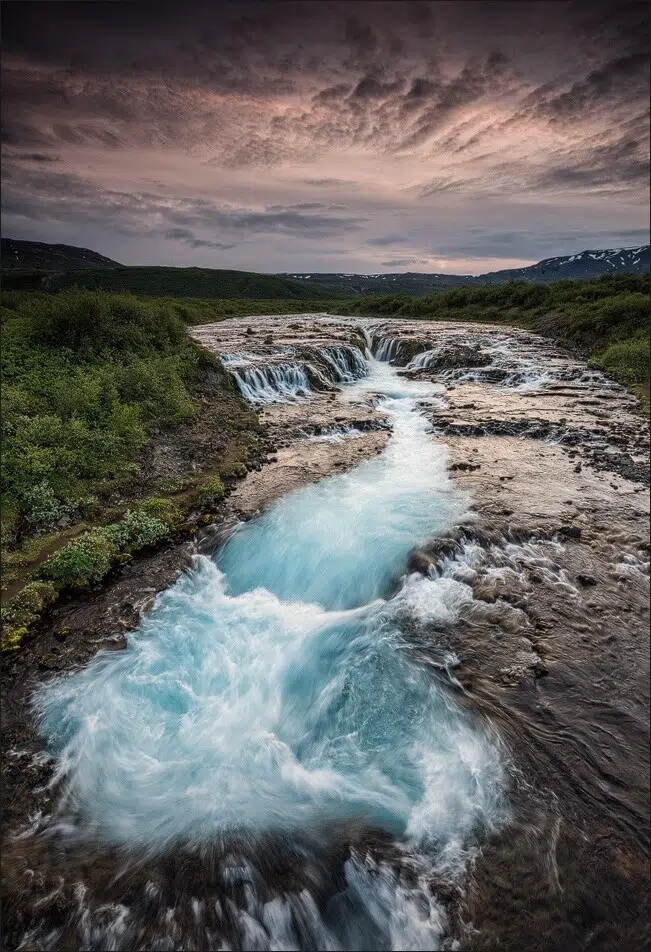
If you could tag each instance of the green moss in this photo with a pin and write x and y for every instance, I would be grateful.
(235, 468)
(12, 637)
(23, 610)
(167, 511)
(29, 603)
(210, 493)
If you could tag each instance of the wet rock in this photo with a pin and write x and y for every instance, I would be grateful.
(485, 592)
(586, 580)
(465, 467)
(570, 532)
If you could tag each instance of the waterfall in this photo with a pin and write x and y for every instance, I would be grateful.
(387, 348)
(273, 383)
(275, 689)
(421, 361)
(347, 363)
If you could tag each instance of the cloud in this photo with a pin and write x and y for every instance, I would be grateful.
(189, 237)
(37, 194)
(418, 119)
(328, 182)
(383, 240)
(404, 262)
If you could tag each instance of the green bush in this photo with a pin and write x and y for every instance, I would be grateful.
(84, 561)
(165, 510)
(628, 361)
(211, 493)
(84, 376)
(136, 530)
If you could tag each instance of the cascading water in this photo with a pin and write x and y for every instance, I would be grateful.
(273, 383)
(386, 349)
(421, 361)
(347, 363)
(274, 691)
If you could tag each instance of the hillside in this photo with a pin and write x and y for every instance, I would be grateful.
(187, 282)
(40, 256)
(355, 285)
(586, 264)
(38, 266)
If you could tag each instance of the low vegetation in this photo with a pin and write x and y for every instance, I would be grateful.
(171, 282)
(89, 380)
(607, 319)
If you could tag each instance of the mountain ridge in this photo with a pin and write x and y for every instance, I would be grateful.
(43, 266)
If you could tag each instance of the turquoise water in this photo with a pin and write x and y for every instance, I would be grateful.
(273, 689)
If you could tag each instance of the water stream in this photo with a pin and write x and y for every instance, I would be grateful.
(274, 690)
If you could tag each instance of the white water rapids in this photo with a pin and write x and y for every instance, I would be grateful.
(274, 688)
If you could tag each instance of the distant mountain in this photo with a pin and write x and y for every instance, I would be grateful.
(35, 265)
(40, 256)
(586, 264)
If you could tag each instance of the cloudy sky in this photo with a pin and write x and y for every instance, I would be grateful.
(327, 136)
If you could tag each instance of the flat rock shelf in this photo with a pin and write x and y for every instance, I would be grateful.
(396, 699)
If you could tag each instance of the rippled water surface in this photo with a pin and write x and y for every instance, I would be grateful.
(274, 690)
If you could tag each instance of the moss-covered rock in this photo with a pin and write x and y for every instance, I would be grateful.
(210, 493)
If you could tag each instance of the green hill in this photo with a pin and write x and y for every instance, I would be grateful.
(172, 282)
(42, 256)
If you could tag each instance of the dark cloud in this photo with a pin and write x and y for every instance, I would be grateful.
(64, 197)
(404, 262)
(628, 75)
(383, 240)
(189, 237)
(387, 105)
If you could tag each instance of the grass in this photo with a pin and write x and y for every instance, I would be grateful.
(88, 380)
(171, 282)
(606, 319)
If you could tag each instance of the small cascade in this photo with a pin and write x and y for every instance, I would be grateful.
(387, 348)
(237, 357)
(422, 361)
(273, 383)
(337, 434)
(347, 363)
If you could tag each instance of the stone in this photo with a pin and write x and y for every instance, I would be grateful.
(586, 580)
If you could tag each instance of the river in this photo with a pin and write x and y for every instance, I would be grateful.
(318, 736)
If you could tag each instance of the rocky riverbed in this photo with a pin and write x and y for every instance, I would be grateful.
(547, 646)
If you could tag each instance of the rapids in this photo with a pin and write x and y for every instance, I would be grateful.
(274, 690)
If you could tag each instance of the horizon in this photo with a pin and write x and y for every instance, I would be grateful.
(345, 274)
(317, 138)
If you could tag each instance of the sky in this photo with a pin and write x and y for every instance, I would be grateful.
(371, 137)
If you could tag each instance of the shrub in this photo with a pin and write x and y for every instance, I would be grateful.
(42, 506)
(136, 530)
(165, 510)
(211, 492)
(84, 561)
(629, 360)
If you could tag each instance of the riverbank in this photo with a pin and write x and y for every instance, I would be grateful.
(552, 562)
(606, 321)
